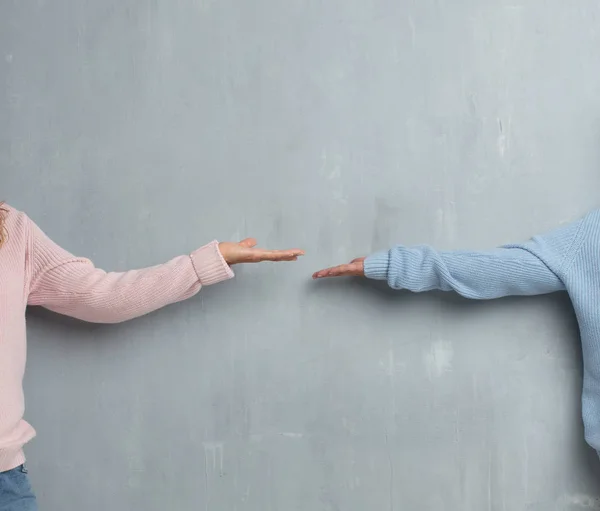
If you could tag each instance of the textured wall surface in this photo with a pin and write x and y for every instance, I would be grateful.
(133, 131)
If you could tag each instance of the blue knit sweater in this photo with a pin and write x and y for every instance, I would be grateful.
(567, 259)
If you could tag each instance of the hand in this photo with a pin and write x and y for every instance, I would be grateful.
(356, 268)
(245, 252)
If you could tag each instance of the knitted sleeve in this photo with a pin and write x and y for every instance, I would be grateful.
(73, 286)
(532, 268)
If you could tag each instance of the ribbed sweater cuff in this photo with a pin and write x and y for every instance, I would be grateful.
(209, 264)
(377, 265)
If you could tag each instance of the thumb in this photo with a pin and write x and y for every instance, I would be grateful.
(248, 243)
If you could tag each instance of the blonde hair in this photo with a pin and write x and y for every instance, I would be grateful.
(3, 231)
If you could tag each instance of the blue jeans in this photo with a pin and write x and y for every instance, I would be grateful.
(15, 491)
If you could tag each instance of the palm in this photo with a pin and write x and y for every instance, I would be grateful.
(246, 252)
(355, 268)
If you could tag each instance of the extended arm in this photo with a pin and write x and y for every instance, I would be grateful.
(531, 268)
(538, 266)
(73, 286)
(477, 275)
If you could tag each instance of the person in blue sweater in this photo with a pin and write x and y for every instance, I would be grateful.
(566, 259)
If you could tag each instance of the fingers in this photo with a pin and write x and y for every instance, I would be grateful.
(343, 270)
(334, 271)
(245, 252)
(278, 255)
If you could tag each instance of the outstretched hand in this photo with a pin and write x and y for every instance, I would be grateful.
(355, 268)
(246, 252)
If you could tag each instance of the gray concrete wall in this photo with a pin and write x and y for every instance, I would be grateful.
(133, 131)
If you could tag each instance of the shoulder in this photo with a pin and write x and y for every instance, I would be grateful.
(16, 238)
(586, 245)
(18, 228)
(16, 221)
(593, 216)
(590, 224)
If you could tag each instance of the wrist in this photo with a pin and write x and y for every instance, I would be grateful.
(376, 266)
(210, 265)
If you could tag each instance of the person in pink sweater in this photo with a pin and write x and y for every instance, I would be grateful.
(36, 271)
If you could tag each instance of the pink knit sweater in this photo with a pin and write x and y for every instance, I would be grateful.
(35, 271)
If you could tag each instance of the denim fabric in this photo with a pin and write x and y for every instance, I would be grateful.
(15, 491)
